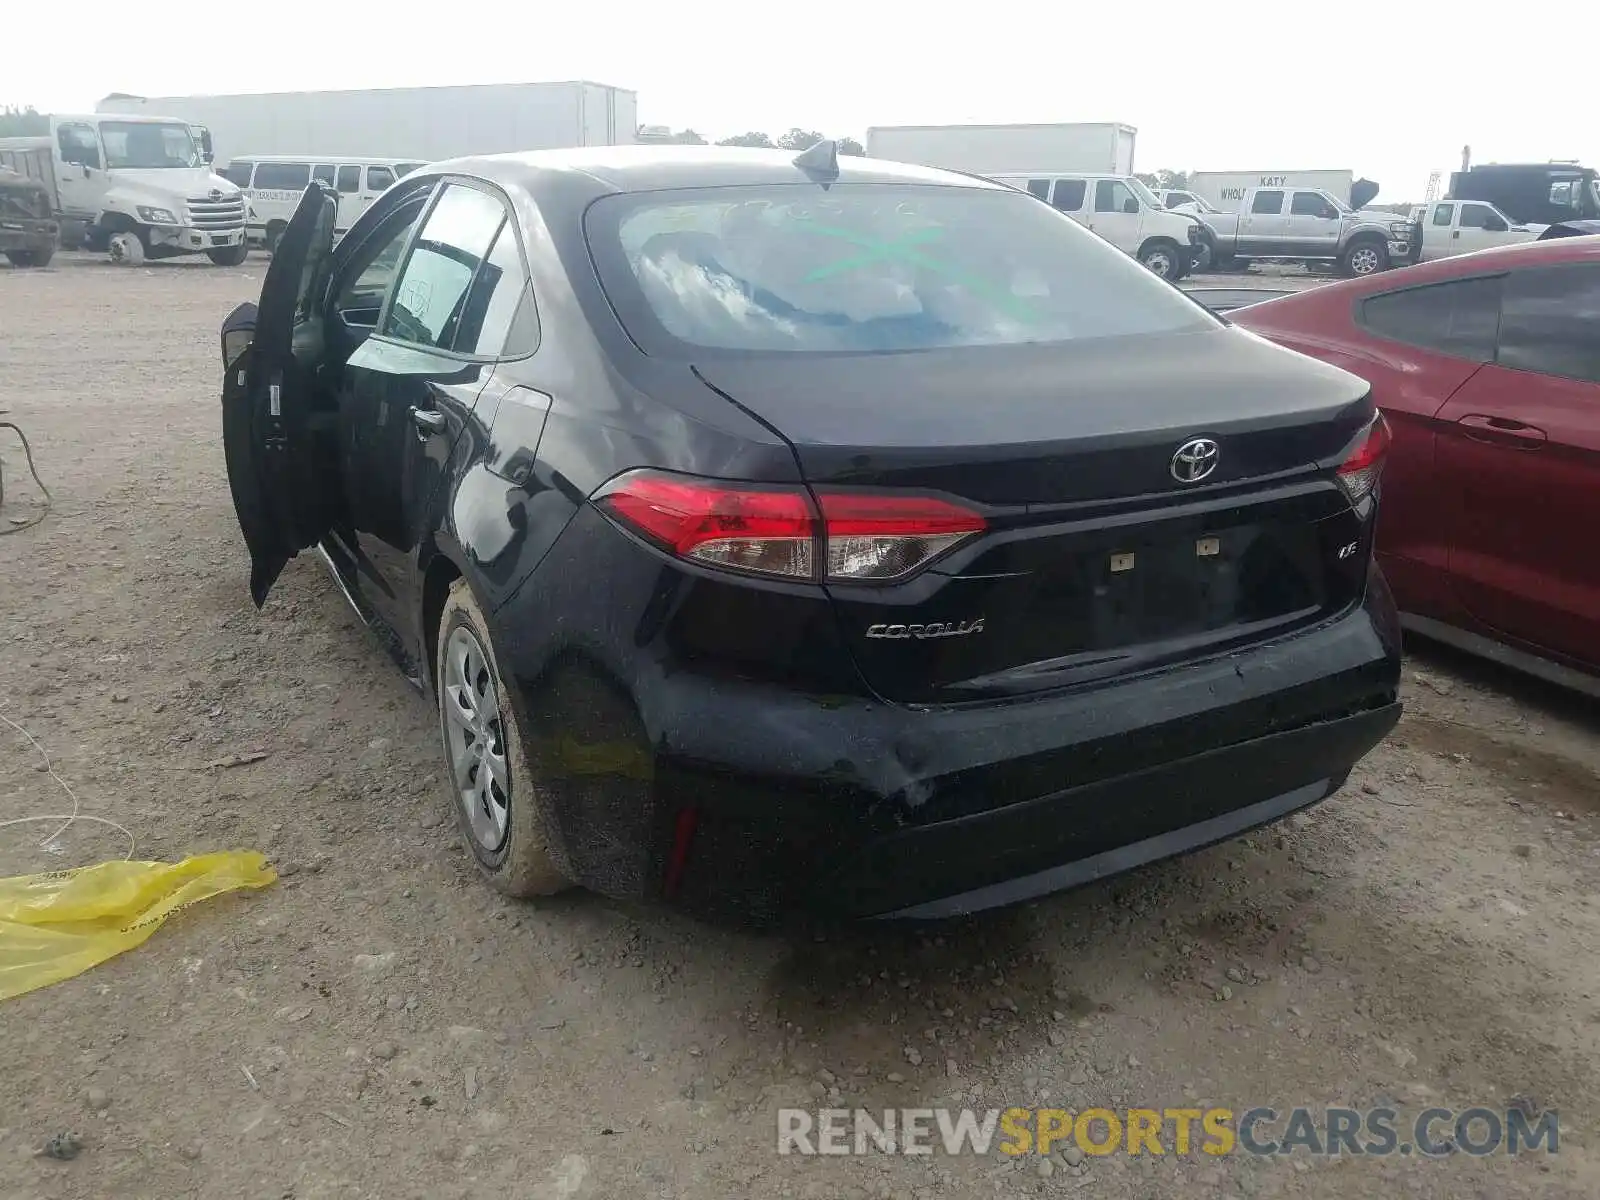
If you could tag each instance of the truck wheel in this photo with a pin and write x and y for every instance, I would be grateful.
(1366, 256)
(229, 256)
(274, 232)
(126, 249)
(1163, 257)
(30, 258)
(1204, 257)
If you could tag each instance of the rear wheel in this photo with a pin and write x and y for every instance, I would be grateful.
(1163, 257)
(1366, 256)
(497, 802)
(229, 256)
(31, 258)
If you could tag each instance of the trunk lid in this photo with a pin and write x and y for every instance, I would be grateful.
(1097, 559)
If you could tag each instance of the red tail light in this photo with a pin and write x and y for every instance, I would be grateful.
(857, 537)
(1359, 473)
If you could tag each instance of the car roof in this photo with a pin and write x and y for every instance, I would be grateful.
(654, 168)
(351, 160)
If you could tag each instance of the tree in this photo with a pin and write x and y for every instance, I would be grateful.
(799, 139)
(851, 146)
(23, 122)
(686, 137)
(758, 140)
(1165, 180)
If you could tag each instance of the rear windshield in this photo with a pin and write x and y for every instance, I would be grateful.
(865, 268)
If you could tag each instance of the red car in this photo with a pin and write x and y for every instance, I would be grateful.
(1488, 368)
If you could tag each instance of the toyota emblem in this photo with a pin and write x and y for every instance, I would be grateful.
(215, 193)
(1195, 459)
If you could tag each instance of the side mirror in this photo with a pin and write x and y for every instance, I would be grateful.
(205, 146)
(1130, 206)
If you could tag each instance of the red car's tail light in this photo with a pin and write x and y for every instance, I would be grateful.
(1359, 473)
(764, 531)
(777, 531)
(878, 537)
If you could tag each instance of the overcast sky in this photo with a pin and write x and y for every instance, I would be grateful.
(1205, 84)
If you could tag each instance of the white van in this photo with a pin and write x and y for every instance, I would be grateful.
(1126, 213)
(274, 183)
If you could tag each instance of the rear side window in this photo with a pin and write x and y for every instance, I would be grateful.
(283, 177)
(492, 308)
(865, 268)
(1459, 318)
(379, 179)
(349, 180)
(1552, 322)
(428, 304)
(1039, 188)
(1443, 214)
(1268, 204)
(238, 173)
(1069, 194)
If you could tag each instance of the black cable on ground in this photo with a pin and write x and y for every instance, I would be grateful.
(49, 500)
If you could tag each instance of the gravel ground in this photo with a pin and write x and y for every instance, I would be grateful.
(380, 1024)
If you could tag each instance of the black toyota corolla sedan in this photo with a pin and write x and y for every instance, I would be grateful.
(783, 532)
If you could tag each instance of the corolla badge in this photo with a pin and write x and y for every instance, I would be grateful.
(1195, 459)
(934, 629)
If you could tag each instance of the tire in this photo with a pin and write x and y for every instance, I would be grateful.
(1363, 257)
(269, 240)
(229, 256)
(126, 249)
(506, 839)
(31, 258)
(1162, 257)
(1205, 257)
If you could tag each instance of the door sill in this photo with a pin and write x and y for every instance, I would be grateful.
(1508, 656)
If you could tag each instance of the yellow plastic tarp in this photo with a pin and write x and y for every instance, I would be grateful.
(59, 924)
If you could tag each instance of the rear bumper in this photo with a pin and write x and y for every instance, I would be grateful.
(747, 800)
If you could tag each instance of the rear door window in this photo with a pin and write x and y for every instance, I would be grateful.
(428, 302)
(1552, 322)
(865, 269)
(349, 180)
(1267, 204)
(379, 178)
(1459, 318)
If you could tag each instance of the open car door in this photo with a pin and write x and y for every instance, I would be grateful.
(278, 433)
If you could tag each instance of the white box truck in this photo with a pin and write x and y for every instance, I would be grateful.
(1016, 150)
(423, 124)
(1224, 190)
(136, 187)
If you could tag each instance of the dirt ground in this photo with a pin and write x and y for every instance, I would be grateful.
(380, 1024)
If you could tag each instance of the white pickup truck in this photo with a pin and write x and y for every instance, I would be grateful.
(1126, 213)
(1309, 225)
(1451, 227)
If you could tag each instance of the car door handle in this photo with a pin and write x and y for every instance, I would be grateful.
(1503, 430)
(1456, 233)
(427, 421)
